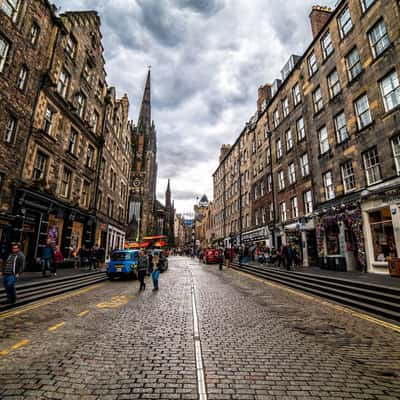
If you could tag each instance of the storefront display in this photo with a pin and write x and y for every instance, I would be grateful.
(76, 236)
(382, 233)
(55, 228)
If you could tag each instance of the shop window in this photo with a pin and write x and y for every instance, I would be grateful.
(382, 234)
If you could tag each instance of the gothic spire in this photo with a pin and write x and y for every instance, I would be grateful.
(144, 122)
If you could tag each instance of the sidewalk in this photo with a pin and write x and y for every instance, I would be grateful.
(375, 279)
(37, 276)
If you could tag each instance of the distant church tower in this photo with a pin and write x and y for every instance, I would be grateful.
(142, 201)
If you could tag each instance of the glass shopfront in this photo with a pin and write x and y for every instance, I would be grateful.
(55, 229)
(382, 234)
(332, 239)
(77, 234)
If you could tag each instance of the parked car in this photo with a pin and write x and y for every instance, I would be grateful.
(163, 263)
(123, 264)
(211, 256)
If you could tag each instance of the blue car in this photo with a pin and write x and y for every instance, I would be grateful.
(123, 264)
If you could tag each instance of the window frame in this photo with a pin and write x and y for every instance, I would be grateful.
(373, 45)
(304, 167)
(300, 138)
(66, 172)
(3, 57)
(348, 175)
(395, 90)
(334, 86)
(340, 138)
(371, 167)
(312, 66)
(13, 7)
(291, 173)
(10, 133)
(341, 26)
(296, 94)
(63, 86)
(325, 53)
(360, 124)
(294, 206)
(73, 141)
(357, 66)
(307, 200)
(43, 169)
(318, 103)
(324, 145)
(329, 189)
(289, 140)
(396, 155)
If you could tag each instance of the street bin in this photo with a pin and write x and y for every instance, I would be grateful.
(394, 266)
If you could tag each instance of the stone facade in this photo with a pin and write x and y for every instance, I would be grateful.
(331, 146)
(27, 34)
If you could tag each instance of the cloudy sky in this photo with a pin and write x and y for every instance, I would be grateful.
(208, 58)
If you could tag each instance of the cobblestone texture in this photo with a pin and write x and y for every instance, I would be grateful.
(258, 342)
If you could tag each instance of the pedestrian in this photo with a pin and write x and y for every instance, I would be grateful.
(58, 260)
(12, 268)
(289, 257)
(150, 262)
(143, 265)
(47, 258)
(221, 258)
(156, 270)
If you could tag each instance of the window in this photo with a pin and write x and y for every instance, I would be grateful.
(317, 99)
(312, 64)
(344, 22)
(366, 4)
(268, 155)
(70, 48)
(10, 7)
(278, 149)
(22, 78)
(326, 44)
(382, 234)
(39, 168)
(296, 94)
(99, 200)
(301, 132)
(63, 83)
(48, 121)
(341, 128)
(396, 152)
(304, 165)
(291, 173)
(11, 128)
(34, 33)
(4, 47)
(72, 141)
(371, 165)
(328, 186)
(323, 140)
(276, 118)
(289, 140)
(110, 207)
(90, 156)
(295, 207)
(390, 90)
(86, 73)
(333, 84)
(362, 112)
(349, 179)
(285, 107)
(262, 189)
(85, 196)
(269, 183)
(353, 63)
(81, 104)
(283, 211)
(65, 183)
(281, 180)
(379, 38)
(308, 202)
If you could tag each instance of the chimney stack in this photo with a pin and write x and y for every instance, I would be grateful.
(264, 95)
(318, 17)
(224, 151)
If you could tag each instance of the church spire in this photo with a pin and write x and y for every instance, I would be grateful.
(144, 122)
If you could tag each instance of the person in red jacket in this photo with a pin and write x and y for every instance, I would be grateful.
(58, 260)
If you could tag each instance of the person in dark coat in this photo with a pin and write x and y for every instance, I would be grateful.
(12, 268)
(289, 257)
(143, 266)
(47, 258)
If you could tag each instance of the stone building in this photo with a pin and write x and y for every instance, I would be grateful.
(27, 34)
(179, 230)
(142, 219)
(331, 144)
(113, 176)
(56, 195)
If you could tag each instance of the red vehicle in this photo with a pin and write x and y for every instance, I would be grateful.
(211, 256)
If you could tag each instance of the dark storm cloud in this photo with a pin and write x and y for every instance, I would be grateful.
(208, 58)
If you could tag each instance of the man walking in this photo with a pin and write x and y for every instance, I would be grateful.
(156, 270)
(143, 265)
(47, 258)
(13, 266)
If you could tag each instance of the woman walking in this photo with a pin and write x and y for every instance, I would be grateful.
(143, 265)
(156, 270)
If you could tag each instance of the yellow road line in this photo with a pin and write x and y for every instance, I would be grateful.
(50, 300)
(357, 314)
(22, 343)
(4, 353)
(83, 313)
(57, 326)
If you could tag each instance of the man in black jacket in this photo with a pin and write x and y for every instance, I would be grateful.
(13, 266)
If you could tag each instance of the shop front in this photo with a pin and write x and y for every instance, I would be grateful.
(115, 239)
(257, 237)
(381, 216)
(340, 239)
(44, 220)
(301, 236)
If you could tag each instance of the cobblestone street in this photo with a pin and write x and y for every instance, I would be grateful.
(258, 341)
